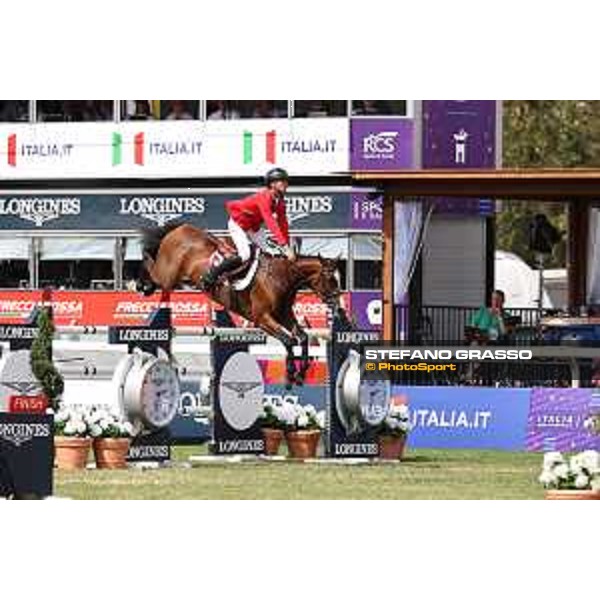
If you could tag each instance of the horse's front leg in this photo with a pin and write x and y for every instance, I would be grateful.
(303, 339)
(272, 327)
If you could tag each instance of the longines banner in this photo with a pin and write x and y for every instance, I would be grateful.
(174, 149)
(129, 212)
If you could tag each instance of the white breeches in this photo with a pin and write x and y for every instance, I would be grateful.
(242, 239)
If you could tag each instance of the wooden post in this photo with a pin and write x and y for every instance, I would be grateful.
(577, 243)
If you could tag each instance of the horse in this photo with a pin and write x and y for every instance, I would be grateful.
(179, 254)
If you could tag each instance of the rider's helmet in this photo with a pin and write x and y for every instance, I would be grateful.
(276, 175)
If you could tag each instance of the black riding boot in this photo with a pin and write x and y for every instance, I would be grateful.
(211, 277)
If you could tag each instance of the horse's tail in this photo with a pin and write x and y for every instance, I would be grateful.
(153, 236)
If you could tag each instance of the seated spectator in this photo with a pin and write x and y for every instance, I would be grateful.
(178, 111)
(491, 322)
(221, 109)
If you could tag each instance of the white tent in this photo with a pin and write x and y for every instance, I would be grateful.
(519, 282)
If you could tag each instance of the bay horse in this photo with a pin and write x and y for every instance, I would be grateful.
(179, 254)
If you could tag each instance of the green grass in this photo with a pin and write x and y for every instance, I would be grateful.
(423, 474)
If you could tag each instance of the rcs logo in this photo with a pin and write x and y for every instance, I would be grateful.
(383, 143)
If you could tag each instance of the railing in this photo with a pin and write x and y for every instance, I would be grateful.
(435, 325)
(420, 325)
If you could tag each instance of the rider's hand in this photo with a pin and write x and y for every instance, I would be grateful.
(289, 253)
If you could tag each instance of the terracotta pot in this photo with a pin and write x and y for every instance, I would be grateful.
(71, 453)
(273, 439)
(391, 447)
(572, 495)
(111, 453)
(303, 444)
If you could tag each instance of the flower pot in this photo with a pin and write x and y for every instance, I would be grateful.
(71, 453)
(111, 453)
(273, 439)
(303, 444)
(572, 495)
(391, 447)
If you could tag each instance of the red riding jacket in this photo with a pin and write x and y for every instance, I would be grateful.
(251, 212)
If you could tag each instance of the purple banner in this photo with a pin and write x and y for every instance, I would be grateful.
(367, 310)
(556, 420)
(380, 144)
(367, 213)
(459, 134)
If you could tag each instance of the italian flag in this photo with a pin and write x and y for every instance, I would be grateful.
(270, 147)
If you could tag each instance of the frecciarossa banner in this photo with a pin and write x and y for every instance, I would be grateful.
(173, 149)
(189, 309)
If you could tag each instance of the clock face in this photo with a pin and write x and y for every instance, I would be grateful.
(160, 393)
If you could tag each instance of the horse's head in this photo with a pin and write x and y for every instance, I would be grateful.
(323, 277)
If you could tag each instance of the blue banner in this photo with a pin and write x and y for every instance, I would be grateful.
(463, 417)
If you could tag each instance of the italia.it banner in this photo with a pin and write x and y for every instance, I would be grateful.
(184, 148)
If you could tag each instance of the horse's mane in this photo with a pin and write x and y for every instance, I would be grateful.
(153, 236)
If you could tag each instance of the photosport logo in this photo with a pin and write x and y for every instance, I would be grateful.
(162, 209)
(39, 210)
(163, 148)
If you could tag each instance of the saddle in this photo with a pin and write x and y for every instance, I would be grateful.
(242, 277)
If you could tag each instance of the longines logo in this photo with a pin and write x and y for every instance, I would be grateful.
(162, 209)
(23, 387)
(300, 207)
(39, 210)
(241, 389)
(21, 433)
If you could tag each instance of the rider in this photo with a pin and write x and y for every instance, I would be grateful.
(245, 219)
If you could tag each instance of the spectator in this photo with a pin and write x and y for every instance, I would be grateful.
(490, 322)
(320, 108)
(142, 111)
(263, 109)
(14, 110)
(371, 107)
(178, 111)
(221, 109)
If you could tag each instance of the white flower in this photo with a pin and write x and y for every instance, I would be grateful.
(576, 463)
(310, 410)
(128, 428)
(561, 471)
(105, 423)
(547, 479)
(590, 459)
(302, 421)
(581, 481)
(95, 430)
(321, 419)
(552, 458)
(70, 428)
